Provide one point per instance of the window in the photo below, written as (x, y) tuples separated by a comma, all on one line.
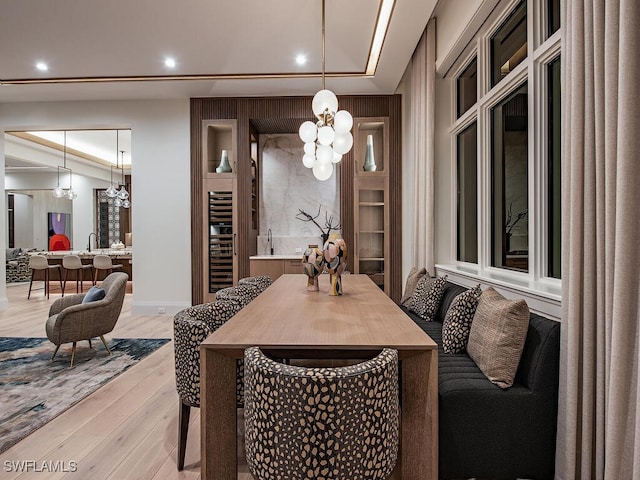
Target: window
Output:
[(467, 248), (509, 182), (467, 87), (509, 44), (554, 169), (553, 14)]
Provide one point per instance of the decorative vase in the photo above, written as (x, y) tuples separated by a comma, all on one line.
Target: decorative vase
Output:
[(369, 159), (335, 258), (224, 162), (313, 265)]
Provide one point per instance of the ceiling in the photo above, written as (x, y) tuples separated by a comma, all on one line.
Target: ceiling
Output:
[(116, 49)]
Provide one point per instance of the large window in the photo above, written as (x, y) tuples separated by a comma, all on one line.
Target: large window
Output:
[(467, 146), (507, 146)]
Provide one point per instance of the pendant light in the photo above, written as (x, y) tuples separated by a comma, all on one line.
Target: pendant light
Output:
[(112, 191), (59, 192), (123, 194), (330, 137)]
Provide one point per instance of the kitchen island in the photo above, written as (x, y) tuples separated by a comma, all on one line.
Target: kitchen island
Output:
[(118, 256)]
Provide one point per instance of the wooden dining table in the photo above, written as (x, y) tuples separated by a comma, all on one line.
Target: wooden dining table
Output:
[(287, 321)]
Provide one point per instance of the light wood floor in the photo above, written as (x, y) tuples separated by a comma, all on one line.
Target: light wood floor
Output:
[(125, 430)]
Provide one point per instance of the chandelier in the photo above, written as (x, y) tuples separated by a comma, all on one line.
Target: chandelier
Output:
[(112, 191), (59, 192), (330, 137), (122, 197)]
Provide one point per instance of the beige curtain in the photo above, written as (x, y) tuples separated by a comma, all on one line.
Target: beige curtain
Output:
[(599, 420), (422, 134)]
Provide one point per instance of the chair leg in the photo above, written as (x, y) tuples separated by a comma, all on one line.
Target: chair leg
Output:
[(59, 270), (54, 353), (46, 283), (33, 272), (90, 344), (95, 275), (73, 353), (183, 428), (64, 280), (105, 344)]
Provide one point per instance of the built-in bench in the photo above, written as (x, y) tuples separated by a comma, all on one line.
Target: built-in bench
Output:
[(489, 432)]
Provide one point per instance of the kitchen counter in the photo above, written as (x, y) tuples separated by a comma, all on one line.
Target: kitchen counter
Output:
[(293, 256), (112, 252), (275, 265)]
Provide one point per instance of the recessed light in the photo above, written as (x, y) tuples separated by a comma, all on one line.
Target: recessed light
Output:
[(301, 59), (43, 67), (170, 62)]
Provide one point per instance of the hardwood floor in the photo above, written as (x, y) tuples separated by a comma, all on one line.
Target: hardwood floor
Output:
[(125, 430)]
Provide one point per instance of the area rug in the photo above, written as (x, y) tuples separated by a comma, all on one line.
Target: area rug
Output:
[(35, 389)]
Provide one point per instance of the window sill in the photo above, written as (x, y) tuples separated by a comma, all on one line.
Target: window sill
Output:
[(544, 297)]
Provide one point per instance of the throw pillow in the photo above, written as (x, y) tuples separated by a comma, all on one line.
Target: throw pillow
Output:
[(457, 321), (412, 281), (497, 336), (427, 296), (94, 294)]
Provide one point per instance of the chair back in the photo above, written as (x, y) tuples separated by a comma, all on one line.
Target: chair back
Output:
[(321, 423), (38, 262), (102, 262), (243, 293), (260, 281), (115, 286), (71, 262)]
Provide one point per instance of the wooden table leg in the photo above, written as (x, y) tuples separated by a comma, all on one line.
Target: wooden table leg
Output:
[(419, 452), (219, 458)]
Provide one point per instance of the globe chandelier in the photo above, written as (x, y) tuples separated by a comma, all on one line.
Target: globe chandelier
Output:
[(122, 197), (330, 137), (112, 191), (59, 192)]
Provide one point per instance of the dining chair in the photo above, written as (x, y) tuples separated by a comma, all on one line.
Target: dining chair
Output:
[(40, 263), (190, 327), (321, 423), (260, 281), (103, 262), (73, 263), (243, 293)]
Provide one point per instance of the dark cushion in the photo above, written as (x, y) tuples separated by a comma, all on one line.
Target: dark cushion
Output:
[(94, 294), (457, 321), (427, 295)]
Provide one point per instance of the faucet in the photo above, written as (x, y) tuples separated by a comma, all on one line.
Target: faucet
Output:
[(270, 240), (89, 243)]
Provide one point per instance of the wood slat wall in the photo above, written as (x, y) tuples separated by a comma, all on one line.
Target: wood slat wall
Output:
[(244, 109)]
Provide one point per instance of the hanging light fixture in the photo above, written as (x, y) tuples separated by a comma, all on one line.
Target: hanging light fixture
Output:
[(330, 137), (123, 195), (59, 192), (112, 191)]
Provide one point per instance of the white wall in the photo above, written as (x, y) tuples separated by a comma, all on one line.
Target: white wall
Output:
[(161, 185), (23, 229)]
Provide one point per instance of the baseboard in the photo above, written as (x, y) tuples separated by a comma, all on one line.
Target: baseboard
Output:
[(157, 308)]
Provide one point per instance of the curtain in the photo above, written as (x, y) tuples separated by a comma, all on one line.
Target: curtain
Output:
[(599, 420), (422, 135)]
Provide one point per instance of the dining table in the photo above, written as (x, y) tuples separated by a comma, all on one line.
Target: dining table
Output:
[(287, 321)]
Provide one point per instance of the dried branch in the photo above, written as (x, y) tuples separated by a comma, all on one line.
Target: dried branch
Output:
[(329, 223), (511, 222)]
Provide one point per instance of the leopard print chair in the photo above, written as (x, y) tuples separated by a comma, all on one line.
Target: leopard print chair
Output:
[(242, 293), (191, 326), (321, 423), (260, 281)]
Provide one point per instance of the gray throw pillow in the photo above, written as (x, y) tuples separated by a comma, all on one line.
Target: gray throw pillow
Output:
[(457, 322), (94, 294), (426, 298), (412, 280), (497, 336)]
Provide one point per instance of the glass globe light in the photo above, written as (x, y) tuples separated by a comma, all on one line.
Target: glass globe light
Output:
[(336, 157), (324, 100), (59, 192), (123, 194), (126, 204), (117, 202), (343, 121), (308, 132), (309, 160), (111, 191), (324, 154), (310, 148), (71, 195), (343, 143), (326, 135), (322, 171)]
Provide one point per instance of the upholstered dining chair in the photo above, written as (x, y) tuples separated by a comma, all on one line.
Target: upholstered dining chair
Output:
[(243, 293), (71, 320), (260, 281), (103, 262), (321, 423), (73, 263), (191, 326), (40, 263)]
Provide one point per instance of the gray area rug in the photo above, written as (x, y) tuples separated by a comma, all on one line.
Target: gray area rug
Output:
[(34, 389)]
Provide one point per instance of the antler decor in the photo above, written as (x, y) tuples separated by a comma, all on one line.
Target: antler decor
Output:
[(328, 222)]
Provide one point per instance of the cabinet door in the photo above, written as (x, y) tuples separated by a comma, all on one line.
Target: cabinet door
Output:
[(221, 255), (293, 266), (272, 268)]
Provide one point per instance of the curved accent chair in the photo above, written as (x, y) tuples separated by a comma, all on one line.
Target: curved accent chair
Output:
[(190, 327), (70, 320), (103, 262), (321, 423), (39, 262), (73, 262), (242, 293), (260, 281)]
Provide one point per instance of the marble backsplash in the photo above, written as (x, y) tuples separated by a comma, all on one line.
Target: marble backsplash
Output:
[(286, 245)]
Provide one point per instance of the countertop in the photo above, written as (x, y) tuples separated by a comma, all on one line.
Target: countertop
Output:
[(293, 256), (113, 252)]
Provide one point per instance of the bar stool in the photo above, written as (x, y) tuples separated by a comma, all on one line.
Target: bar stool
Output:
[(73, 262), (39, 262), (103, 262)]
